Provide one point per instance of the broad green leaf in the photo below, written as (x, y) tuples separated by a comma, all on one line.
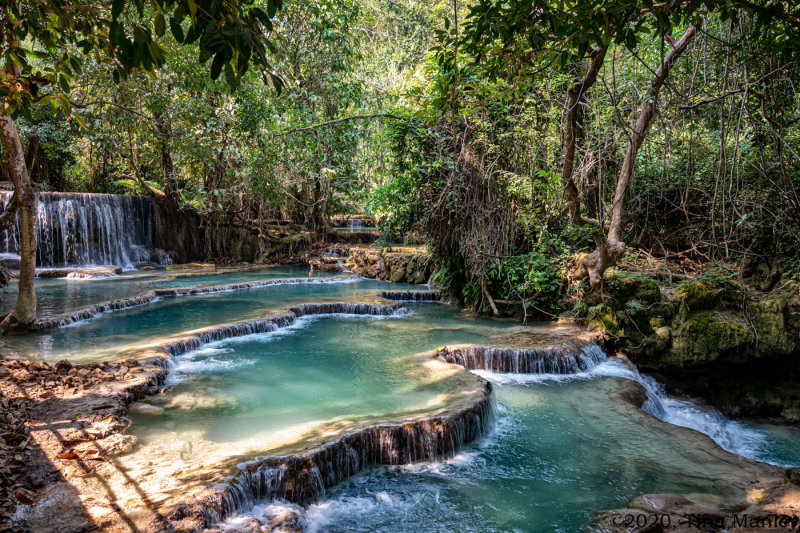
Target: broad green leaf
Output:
[(230, 76), (116, 34), (176, 29), (216, 65), (159, 25), (79, 119)]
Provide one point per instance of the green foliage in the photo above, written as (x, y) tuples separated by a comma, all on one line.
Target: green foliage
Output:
[(48, 42), (394, 200), (529, 278), (633, 306), (464, 145)]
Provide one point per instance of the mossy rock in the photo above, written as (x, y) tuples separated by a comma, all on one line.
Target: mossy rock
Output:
[(696, 296), (624, 287), (704, 295), (775, 336), (708, 336), (606, 321)]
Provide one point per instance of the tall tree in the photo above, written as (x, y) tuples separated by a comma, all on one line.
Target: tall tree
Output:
[(527, 37), (43, 42)]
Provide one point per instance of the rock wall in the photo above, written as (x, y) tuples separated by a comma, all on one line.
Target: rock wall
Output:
[(231, 241), (177, 229), (708, 339), (247, 244), (407, 266)]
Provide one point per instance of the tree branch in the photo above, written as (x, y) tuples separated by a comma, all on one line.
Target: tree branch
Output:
[(341, 120), (710, 100)]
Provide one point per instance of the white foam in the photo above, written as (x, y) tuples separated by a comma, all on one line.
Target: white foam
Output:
[(320, 516), (87, 276), (729, 434), (502, 378), (264, 514)]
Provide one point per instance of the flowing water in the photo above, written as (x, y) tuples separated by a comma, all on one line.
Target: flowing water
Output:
[(89, 229), (561, 451), (116, 335), (320, 376), (563, 447), (56, 296), (187, 280)]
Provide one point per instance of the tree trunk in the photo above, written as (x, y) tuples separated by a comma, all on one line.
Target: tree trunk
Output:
[(610, 248), (30, 156), (25, 309), (574, 95), (9, 216), (167, 166), (135, 166)]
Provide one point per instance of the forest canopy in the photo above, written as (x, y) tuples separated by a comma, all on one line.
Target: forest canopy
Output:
[(529, 143)]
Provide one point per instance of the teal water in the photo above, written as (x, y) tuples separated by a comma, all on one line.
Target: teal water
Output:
[(186, 280), (562, 450), (57, 296), (119, 333), (323, 374)]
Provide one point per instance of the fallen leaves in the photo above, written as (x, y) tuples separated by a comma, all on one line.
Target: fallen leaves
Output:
[(24, 496), (46, 400)]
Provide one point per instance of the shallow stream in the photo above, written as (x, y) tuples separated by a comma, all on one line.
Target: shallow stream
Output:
[(562, 447)]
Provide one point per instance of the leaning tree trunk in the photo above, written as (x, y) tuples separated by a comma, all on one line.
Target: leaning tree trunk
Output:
[(610, 248), (574, 96), (25, 309)]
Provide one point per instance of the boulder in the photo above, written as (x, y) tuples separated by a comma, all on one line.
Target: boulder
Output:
[(403, 266), (741, 355), (141, 408)]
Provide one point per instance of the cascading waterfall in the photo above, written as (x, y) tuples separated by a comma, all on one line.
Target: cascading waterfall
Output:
[(411, 296), (349, 309), (591, 360), (728, 434), (74, 229), (560, 360), (302, 478)]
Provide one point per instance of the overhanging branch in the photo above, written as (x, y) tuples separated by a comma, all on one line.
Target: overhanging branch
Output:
[(341, 120)]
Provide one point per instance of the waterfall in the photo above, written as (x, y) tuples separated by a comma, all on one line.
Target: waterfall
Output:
[(729, 434), (348, 309), (303, 478), (411, 296), (591, 360), (355, 223), (549, 360), (74, 229)]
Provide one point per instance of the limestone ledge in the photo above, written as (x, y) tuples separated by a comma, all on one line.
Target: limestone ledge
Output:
[(401, 265), (153, 295), (87, 487)]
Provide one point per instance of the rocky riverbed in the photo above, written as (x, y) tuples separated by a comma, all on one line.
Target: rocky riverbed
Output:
[(61, 424)]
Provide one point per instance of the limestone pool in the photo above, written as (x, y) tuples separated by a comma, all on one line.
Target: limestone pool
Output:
[(60, 295), (561, 448)]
